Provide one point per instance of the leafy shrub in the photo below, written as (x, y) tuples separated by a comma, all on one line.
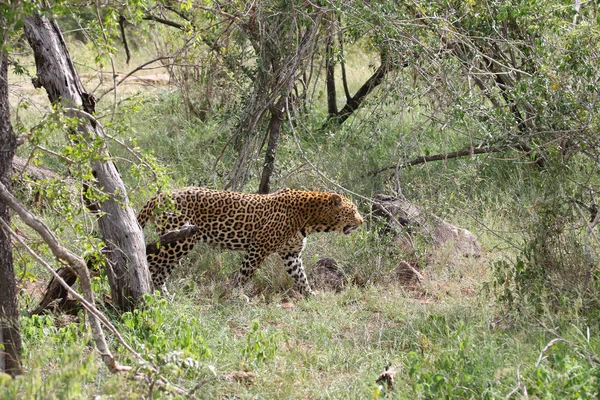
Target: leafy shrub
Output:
[(154, 328), (552, 271), (261, 345)]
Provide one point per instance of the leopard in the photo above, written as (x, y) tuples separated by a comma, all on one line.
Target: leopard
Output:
[(257, 224)]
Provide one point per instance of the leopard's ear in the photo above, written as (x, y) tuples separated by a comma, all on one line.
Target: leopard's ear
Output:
[(336, 199)]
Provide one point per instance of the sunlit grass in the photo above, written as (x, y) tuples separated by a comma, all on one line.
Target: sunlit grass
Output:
[(331, 346)]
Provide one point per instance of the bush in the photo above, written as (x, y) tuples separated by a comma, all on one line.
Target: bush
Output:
[(552, 272)]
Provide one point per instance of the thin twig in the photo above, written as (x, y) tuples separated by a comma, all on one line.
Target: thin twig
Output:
[(133, 71)]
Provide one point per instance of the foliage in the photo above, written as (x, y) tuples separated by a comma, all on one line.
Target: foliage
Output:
[(553, 272), (334, 346), (146, 328), (518, 76), (260, 345)]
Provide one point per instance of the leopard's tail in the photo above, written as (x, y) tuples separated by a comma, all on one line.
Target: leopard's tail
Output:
[(146, 212)]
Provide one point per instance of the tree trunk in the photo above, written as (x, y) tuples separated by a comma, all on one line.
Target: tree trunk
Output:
[(273, 83), (10, 333), (330, 77), (128, 273), (274, 136)]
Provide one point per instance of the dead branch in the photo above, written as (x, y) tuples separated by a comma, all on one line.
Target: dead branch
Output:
[(170, 237), (442, 156)]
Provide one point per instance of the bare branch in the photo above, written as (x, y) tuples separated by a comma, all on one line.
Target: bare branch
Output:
[(442, 156), (170, 237)]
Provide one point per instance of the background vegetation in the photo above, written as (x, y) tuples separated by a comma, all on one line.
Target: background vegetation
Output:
[(512, 84)]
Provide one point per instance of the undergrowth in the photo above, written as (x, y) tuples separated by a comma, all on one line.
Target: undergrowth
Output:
[(332, 346)]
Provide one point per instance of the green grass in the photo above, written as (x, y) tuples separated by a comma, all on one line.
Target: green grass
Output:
[(333, 346)]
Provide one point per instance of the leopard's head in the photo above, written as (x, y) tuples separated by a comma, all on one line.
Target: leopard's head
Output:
[(338, 214)]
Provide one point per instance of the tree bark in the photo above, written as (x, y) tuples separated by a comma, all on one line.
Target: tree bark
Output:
[(355, 101), (274, 137), (128, 273), (330, 76), (10, 333)]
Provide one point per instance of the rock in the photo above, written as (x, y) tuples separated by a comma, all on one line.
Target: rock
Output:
[(407, 274), (464, 242), (327, 275), (403, 216)]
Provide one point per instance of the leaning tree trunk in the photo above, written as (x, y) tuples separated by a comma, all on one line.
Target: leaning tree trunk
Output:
[(128, 273), (10, 334)]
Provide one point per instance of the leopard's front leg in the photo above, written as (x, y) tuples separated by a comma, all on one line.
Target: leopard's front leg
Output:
[(295, 268), (291, 254)]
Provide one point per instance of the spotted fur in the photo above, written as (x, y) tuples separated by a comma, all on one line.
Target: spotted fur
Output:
[(257, 224)]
